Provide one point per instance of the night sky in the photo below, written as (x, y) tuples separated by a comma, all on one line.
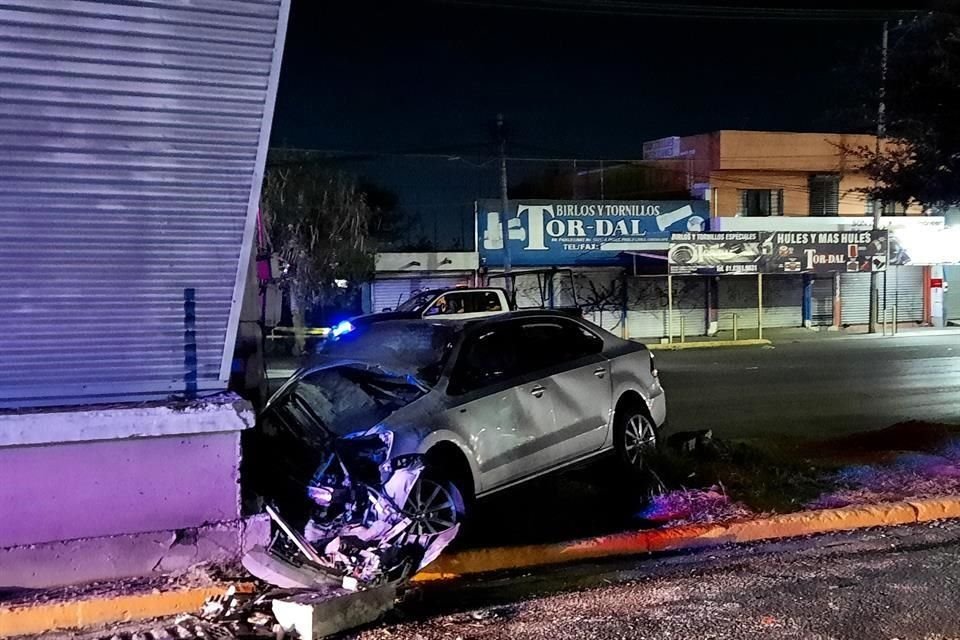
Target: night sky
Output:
[(420, 76)]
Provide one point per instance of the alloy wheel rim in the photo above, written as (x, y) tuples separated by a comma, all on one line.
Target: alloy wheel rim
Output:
[(431, 508), (639, 438)]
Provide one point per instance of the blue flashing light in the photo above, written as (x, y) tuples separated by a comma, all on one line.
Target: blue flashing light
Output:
[(344, 327)]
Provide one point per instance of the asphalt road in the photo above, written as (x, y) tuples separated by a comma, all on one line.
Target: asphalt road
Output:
[(895, 583), (813, 389)]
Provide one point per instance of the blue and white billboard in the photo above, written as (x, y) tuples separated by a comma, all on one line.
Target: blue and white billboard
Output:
[(587, 232)]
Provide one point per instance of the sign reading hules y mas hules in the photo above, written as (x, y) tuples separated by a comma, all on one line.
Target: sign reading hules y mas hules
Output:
[(744, 252)]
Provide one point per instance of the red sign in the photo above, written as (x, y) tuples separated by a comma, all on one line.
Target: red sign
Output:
[(936, 283)]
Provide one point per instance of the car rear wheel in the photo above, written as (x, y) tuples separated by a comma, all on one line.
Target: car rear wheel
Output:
[(636, 437)]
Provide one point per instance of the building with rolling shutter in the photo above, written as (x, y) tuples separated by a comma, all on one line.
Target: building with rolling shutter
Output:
[(772, 180), (134, 136), (400, 275), (746, 181)]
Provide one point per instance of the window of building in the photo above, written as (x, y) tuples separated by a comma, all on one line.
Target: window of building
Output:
[(825, 194), (761, 202), (886, 208)]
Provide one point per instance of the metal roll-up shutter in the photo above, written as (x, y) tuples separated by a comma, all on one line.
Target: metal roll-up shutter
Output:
[(737, 296), (646, 307), (855, 298), (903, 287), (599, 293), (133, 136), (782, 301), (610, 320), (951, 296), (390, 292), (822, 312)]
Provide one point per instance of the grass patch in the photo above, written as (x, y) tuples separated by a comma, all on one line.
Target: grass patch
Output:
[(762, 480)]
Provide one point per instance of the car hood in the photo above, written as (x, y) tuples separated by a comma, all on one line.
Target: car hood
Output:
[(389, 370)]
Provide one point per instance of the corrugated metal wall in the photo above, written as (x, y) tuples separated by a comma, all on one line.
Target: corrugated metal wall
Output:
[(822, 312), (951, 297), (782, 301), (904, 288), (600, 294), (133, 135), (647, 299), (901, 286), (854, 298)]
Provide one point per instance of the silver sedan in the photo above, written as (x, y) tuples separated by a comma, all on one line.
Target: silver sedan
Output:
[(484, 404)]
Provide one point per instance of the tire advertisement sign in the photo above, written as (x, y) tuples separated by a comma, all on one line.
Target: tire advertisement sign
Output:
[(751, 252), (583, 232)]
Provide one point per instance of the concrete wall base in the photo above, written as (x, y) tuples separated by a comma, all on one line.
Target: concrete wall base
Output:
[(85, 560)]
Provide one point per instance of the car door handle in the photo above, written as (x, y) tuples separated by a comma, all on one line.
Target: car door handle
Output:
[(537, 391), (600, 372)]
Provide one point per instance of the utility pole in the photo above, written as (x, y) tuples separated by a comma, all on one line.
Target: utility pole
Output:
[(878, 206), (504, 202)]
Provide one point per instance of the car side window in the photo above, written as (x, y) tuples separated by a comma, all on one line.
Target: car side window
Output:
[(551, 342), (485, 359), (488, 302), (450, 304)]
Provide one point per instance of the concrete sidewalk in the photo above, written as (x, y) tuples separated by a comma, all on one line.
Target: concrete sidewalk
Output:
[(798, 334)]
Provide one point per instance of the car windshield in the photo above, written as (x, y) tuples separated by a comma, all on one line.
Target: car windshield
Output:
[(418, 302), (400, 348)]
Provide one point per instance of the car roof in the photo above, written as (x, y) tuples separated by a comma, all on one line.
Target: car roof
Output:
[(492, 318), (457, 288)]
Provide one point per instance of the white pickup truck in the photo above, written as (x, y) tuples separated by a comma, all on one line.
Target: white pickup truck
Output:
[(459, 302)]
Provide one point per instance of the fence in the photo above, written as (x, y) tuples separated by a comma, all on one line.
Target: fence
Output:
[(640, 306)]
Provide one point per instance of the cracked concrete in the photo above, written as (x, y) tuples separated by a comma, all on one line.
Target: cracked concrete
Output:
[(125, 556)]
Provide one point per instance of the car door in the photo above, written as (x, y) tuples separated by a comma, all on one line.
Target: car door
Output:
[(500, 409), (576, 378)]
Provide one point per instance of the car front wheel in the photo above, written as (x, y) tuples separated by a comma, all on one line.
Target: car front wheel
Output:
[(433, 506)]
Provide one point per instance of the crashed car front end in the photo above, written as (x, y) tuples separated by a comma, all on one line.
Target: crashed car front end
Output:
[(365, 528), (351, 500)]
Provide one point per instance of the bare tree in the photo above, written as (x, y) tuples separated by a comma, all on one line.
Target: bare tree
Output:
[(598, 296), (318, 221)]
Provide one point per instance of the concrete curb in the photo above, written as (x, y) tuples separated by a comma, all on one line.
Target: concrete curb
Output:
[(36, 618), (694, 536), (708, 344), (31, 619)]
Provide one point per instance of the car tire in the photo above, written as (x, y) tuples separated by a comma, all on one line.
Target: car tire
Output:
[(635, 436), (435, 503)]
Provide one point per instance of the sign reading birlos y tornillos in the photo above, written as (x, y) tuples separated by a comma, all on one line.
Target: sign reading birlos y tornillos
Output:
[(571, 232), (745, 252)]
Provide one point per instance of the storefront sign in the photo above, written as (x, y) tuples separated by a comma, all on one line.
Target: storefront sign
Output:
[(925, 246), (574, 232), (777, 252)]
